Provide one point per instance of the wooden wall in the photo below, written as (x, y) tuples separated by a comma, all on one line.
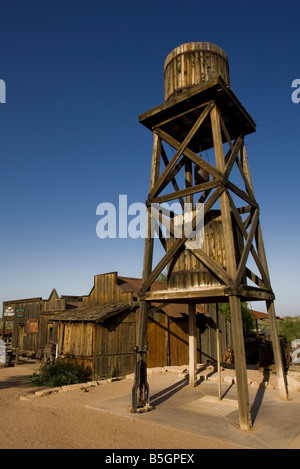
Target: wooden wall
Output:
[(26, 324), (108, 347), (106, 291), (168, 339), (32, 321), (103, 347), (54, 303)]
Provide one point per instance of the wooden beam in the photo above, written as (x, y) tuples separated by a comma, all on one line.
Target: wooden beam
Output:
[(247, 247), (265, 278), (218, 352), (248, 187), (167, 340), (211, 264), (281, 377), (173, 180), (176, 116), (245, 209), (225, 132), (148, 252), (254, 278), (242, 194), (189, 184), (182, 147), (157, 308), (206, 294), (259, 239), (233, 156), (240, 363), (189, 154), (192, 345), (155, 165), (234, 301), (202, 293), (177, 245), (186, 192), (250, 293), (224, 202)]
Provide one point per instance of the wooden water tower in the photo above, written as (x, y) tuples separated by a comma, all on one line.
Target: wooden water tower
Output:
[(200, 115)]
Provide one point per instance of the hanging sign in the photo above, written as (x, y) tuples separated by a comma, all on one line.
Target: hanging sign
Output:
[(9, 311), (20, 313)]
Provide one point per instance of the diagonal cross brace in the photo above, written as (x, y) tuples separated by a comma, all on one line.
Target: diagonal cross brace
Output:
[(182, 147), (177, 245)]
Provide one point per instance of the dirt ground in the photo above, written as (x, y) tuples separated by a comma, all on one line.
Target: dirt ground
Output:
[(63, 420)]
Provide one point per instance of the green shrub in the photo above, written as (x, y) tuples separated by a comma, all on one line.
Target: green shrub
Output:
[(247, 318), (59, 374), (290, 328), (112, 373)]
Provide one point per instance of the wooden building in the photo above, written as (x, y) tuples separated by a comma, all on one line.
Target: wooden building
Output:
[(31, 318), (98, 331), (101, 334)]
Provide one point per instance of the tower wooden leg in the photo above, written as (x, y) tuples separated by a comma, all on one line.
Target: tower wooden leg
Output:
[(140, 390), (240, 363), (218, 353), (192, 345), (281, 377), (142, 325)]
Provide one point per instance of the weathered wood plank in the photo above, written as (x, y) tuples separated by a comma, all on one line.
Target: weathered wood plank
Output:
[(192, 345), (173, 180), (189, 154), (225, 132), (211, 264), (265, 280), (235, 309), (282, 383), (254, 278), (242, 194), (233, 156), (247, 247), (168, 256), (240, 363), (179, 152), (186, 192), (196, 293)]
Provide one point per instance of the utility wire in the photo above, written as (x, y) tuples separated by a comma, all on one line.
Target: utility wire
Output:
[(273, 135)]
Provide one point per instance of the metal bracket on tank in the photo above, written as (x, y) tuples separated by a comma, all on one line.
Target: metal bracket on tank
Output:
[(140, 389)]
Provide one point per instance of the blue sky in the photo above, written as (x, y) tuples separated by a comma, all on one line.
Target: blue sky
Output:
[(78, 74)]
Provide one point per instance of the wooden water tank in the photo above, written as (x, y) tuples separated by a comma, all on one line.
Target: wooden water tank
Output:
[(186, 271), (192, 64)]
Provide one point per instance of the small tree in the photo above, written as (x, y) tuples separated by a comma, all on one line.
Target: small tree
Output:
[(290, 328), (247, 317)]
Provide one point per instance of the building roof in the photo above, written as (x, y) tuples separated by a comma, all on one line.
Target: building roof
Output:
[(128, 284), (261, 316), (99, 313), (92, 313), (75, 311)]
